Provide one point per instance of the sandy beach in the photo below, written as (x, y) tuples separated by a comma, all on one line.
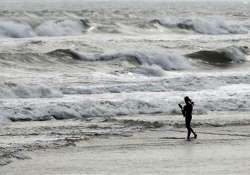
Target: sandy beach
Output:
[(135, 150)]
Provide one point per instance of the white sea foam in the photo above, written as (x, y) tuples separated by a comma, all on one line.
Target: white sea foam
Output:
[(106, 105), (15, 29), (235, 54), (12, 90), (213, 25), (184, 84), (68, 26), (158, 57), (60, 28), (153, 70)]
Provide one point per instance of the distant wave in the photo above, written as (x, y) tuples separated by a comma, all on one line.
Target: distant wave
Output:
[(163, 59), (152, 62), (220, 57), (53, 28), (62, 28), (156, 60), (16, 29), (211, 26), (67, 26), (13, 90), (170, 84)]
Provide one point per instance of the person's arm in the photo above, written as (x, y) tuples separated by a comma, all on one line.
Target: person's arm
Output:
[(182, 110), (180, 106)]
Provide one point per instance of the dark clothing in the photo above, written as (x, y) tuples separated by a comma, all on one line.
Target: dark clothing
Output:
[(187, 112), (188, 109), (188, 122)]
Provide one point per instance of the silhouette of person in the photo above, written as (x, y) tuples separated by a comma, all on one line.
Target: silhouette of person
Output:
[(187, 113)]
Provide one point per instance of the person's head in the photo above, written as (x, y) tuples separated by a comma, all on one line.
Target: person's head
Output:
[(187, 100)]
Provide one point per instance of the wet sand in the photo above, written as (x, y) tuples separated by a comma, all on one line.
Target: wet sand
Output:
[(218, 150)]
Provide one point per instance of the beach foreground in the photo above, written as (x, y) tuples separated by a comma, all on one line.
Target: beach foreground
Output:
[(135, 150)]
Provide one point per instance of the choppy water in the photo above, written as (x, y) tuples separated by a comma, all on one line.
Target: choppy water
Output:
[(82, 59)]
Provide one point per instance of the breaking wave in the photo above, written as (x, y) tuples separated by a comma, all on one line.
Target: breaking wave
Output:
[(79, 108), (13, 90), (224, 56), (192, 83), (212, 26), (152, 70), (66, 26), (156, 97), (154, 62), (62, 28), (150, 59), (15, 29)]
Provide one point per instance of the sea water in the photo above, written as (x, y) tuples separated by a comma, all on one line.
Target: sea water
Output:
[(81, 59)]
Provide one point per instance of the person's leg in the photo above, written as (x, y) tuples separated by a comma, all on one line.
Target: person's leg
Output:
[(195, 135), (192, 131), (188, 128), (188, 133)]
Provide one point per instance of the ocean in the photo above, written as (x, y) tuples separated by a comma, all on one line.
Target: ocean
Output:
[(83, 60)]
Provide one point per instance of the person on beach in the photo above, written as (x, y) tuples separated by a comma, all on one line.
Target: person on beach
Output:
[(187, 113)]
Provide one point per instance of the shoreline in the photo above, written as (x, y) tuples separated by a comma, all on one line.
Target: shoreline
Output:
[(122, 147), (147, 152)]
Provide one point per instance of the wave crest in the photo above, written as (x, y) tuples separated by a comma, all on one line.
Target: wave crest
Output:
[(14, 29), (163, 59), (62, 28), (224, 56), (210, 26), (13, 90)]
